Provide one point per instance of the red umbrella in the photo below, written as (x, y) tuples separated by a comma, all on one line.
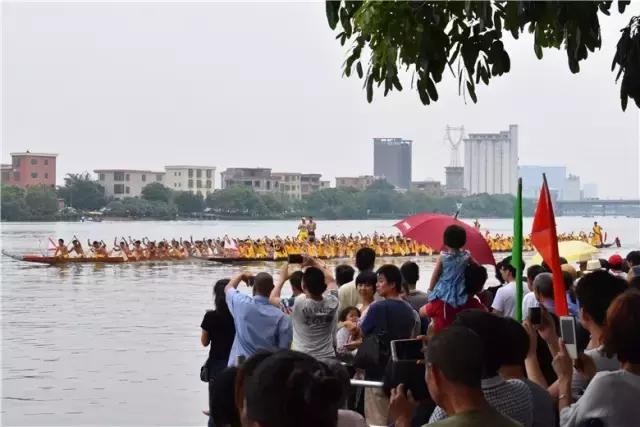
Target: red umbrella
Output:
[(429, 229)]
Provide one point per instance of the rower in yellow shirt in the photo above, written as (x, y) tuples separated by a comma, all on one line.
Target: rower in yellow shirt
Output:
[(597, 239)]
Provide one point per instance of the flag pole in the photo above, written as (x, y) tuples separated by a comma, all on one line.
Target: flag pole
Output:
[(516, 250)]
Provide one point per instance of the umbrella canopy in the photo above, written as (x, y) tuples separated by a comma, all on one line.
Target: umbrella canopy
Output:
[(429, 229), (572, 250)]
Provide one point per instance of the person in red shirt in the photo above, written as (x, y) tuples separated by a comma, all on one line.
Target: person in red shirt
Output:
[(442, 314)]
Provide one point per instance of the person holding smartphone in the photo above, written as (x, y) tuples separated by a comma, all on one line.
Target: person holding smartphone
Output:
[(315, 311), (611, 397), (595, 292), (455, 361)]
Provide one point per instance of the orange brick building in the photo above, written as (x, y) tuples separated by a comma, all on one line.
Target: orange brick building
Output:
[(27, 169)]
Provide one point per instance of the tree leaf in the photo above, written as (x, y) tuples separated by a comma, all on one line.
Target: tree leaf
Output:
[(332, 8), (431, 88), (538, 50), (622, 4), (424, 97), (345, 21), (472, 92), (359, 69), (396, 83), (369, 85)]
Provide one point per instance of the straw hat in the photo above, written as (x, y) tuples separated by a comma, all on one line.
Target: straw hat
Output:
[(593, 265)]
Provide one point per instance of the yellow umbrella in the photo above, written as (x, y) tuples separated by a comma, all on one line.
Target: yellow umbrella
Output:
[(572, 250)]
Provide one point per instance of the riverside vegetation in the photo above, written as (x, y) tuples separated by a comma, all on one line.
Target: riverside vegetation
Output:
[(81, 195)]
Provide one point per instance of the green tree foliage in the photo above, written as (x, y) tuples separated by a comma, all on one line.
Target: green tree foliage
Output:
[(628, 59), (426, 38), (133, 207), (42, 201), (156, 192), (334, 203), (13, 207), (237, 200), (380, 184), (378, 201), (81, 192), (278, 203), (186, 202)]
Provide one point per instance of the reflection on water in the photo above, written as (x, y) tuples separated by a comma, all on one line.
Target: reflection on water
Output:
[(119, 344)]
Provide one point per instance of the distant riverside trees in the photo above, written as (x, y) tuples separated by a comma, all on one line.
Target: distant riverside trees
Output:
[(35, 203), (156, 192), (380, 200), (82, 193)]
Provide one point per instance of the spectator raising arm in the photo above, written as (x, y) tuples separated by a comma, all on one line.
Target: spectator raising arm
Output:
[(531, 362), (328, 275), (236, 279), (274, 298)]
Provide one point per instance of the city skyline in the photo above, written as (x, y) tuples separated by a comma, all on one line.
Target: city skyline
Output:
[(163, 88)]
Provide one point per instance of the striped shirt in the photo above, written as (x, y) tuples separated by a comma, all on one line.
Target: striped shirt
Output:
[(509, 397)]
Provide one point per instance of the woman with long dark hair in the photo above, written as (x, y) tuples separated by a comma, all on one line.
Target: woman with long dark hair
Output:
[(219, 331)]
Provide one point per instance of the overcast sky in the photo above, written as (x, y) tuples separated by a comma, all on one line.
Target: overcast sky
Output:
[(260, 84)]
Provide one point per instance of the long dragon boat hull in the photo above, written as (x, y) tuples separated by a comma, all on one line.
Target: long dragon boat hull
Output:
[(50, 260), (240, 260)]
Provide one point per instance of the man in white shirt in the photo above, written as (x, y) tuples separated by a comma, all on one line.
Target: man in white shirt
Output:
[(348, 293), (504, 303)]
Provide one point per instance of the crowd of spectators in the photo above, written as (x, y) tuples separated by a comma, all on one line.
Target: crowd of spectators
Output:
[(288, 361)]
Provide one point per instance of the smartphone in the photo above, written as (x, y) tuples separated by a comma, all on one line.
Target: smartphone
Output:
[(250, 280), (568, 333), (406, 350), (295, 259), (535, 315)]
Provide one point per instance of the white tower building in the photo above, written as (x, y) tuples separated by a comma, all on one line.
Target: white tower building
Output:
[(491, 162)]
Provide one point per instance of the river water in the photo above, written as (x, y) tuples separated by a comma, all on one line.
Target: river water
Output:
[(119, 344)]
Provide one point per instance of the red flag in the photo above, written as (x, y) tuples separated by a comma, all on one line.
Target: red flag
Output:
[(545, 240)]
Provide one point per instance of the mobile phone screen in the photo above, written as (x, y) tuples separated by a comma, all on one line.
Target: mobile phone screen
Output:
[(407, 350), (568, 330), (295, 259)]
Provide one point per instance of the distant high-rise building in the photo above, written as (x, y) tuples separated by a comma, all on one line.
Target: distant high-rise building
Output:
[(392, 160), (571, 190), (590, 190), (532, 179), (491, 162)]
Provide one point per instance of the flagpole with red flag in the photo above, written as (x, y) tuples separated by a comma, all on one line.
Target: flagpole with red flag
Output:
[(545, 239)]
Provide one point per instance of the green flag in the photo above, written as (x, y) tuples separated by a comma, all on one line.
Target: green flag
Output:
[(516, 250)]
